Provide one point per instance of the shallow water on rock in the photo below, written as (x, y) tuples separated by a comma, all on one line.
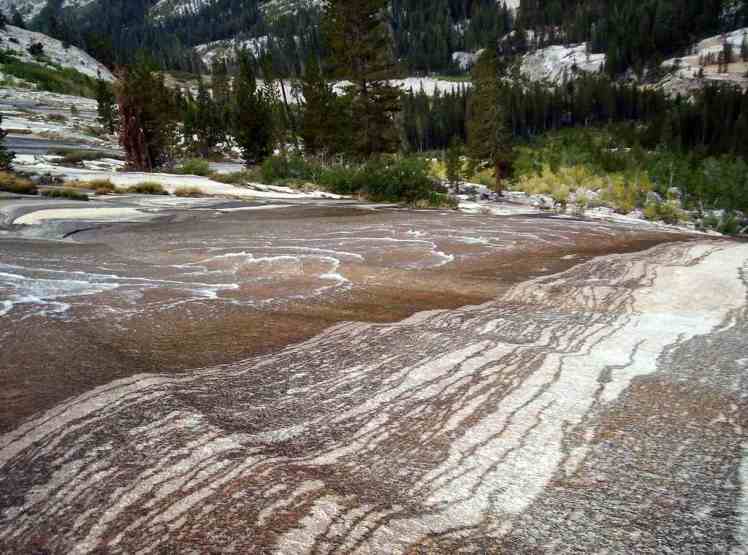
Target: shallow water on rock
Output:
[(211, 287)]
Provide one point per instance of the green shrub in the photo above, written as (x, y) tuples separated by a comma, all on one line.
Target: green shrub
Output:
[(147, 188), (437, 200), (11, 183), (727, 224), (54, 79), (194, 166), (388, 180), (338, 180), (278, 168), (404, 180), (665, 212), (244, 177), (69, 194)]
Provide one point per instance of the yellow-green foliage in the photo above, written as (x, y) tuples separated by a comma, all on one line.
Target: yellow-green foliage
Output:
[(485, 177), (14, 184), (559, 184), (668, 212), (617, 190), (438, 169), (624, 193)]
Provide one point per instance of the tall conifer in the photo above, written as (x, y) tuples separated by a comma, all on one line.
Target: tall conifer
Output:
[(361, 45)]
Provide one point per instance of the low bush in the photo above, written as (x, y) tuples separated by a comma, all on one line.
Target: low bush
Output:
[(278, 168), (103, 187), (54, 79), (68, 194), (665, 212), (194, 166), (338, 179), (624, 193), (98, 186), (438, 200), (726, 223), (386, 180), (189, 192), (620, 191), (252, 175), (76, 156), (11, 183), (147, 188)]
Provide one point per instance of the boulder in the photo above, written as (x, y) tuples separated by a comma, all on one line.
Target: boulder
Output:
[(654, 198)]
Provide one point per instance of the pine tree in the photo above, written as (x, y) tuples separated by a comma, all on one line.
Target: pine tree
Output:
[(488, 137), (253, 120), (221, 89), (361, 49), (6, 156), (454, 163), (106, 106), (280, 115), (324, 119), (148, 117), (207, 128)]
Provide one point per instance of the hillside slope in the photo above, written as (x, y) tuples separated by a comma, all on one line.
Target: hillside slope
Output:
[(55, 54)]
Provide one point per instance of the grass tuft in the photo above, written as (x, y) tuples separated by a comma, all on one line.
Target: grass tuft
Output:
[(76, 156), (253, 175), (189, 192), (98, 186), (68, 194), (147, 188), (11, 183)]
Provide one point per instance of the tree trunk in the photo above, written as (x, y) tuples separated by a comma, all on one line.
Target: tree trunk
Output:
[(499, 177)]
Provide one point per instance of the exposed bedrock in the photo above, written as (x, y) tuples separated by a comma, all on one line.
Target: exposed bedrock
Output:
[(601, 408)]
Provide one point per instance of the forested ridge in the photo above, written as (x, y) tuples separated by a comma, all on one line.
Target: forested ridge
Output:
[(426, 33)]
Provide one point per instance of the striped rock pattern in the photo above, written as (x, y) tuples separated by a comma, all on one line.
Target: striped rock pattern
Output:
[(603, 408)]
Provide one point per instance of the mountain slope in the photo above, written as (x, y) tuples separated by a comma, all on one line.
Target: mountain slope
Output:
[(16, 42)]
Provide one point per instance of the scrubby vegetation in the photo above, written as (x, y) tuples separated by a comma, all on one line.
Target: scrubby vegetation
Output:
[(189, 192), (67, 194), (194, 166), (147, 188), (250, 175), (76, 156), (48, 77), (11, 183), (611, 164), (98, 186), (393, 179)]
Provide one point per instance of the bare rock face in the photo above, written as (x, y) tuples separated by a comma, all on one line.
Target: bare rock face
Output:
[(601, 409), (559, 63), (17, 42), (700, 66)]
